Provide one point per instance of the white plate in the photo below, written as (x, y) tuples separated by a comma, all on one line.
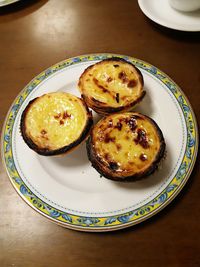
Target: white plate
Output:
[(67, 189), (162, 13), (7, 2)]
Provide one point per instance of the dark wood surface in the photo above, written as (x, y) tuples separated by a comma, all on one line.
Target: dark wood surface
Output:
[(33, 36)]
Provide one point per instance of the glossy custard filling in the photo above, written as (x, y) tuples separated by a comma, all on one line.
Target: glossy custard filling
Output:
[(55, 120), (114, 83), (126, 142)]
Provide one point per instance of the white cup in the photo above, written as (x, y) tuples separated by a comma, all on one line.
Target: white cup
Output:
[(185, 5)]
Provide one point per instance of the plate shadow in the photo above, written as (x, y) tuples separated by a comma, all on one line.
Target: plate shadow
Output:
[(77, 157)]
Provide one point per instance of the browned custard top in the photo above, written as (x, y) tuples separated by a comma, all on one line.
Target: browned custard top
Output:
[(113, 83), (127, 142), (55, 120)]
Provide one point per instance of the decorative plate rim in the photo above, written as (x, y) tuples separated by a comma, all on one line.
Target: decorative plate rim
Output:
[(104, 223)]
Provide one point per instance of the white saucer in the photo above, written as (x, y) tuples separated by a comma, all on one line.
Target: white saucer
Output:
[(162, 13)]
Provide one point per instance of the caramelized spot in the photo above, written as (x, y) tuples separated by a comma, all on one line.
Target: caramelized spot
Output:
[(142, 138), (118, 147), (87, 80), (122, 76), (118, 126), (96, 81), (132, 83), (117, 97), (104, 89), (57, 116), (113, 165), (61, 122), (109, 79), (108, 139), (90, 74), (127, 137), (132, 123), (131, 162), (116, 65), (110, 123), (100, 86), (143, 157), (107, 156), (66, 115), (43, 132)]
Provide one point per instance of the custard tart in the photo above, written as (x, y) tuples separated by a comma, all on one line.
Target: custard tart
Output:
[(125, 146), (111, 85), (55, 123)]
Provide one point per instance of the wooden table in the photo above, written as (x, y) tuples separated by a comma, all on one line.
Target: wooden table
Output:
[(35, 35)]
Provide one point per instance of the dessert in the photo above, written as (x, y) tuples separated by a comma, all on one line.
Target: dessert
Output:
[(55, 123), (111, 85), (125, 146)]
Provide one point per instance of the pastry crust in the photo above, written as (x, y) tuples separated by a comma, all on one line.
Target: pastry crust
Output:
[(55, 123), (126, 146), (111, 85)]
